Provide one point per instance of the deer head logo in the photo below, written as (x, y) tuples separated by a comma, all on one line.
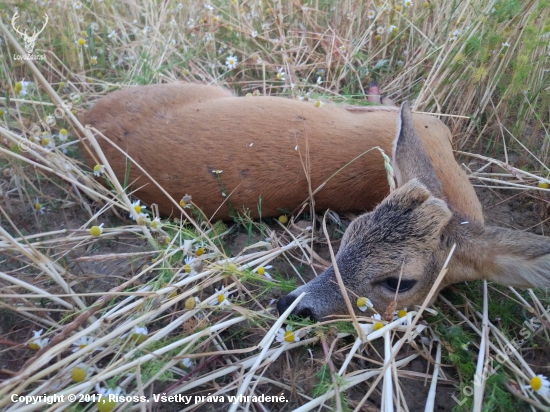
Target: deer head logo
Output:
[(29, 40)]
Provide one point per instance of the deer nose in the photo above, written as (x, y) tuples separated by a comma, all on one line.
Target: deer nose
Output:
[(303, 312)]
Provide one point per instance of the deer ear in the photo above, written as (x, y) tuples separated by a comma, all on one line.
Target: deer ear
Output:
[(409, 157), (509, 257)]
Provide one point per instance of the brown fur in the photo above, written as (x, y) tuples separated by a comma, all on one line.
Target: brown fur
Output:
[(180, 132), (412, 232)]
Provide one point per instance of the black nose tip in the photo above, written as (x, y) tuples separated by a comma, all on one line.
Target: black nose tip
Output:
[(285, 302)]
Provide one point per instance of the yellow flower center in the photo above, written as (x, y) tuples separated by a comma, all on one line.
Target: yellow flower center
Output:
[(361, 302), (283, 219), (182, 203), (200, 251), (33, 346), (187, 268), (261, 271), (95, 231), (221, 298), (398, 8), (82, 345), (377, 37), (317, 103), (543, 185), (402, 313), (37, 206), (190, 303), (378, 325), (45, 141), (289, 336), (81, 41), (536, 383), (17, 88), (426, 4), (279, 76), (1, 112), (78, 374), (137, 208), (104, 405), (97, 168), (63, 132)]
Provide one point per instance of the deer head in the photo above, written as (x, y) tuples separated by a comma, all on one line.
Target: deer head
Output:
[(29, 40), (396, 251)]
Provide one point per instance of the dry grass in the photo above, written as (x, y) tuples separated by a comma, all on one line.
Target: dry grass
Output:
[(484, 63)]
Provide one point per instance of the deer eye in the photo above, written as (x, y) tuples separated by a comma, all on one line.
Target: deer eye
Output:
[(391, 284)]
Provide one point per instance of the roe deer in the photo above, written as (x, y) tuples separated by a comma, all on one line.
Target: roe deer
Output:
[(181, 132), (412, 231)]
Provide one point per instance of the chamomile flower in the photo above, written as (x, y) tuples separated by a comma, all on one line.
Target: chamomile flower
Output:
[(281, 75), (400, 314), (319, 80), (199, 248), (36, 342), (371, 14), (231, 62), (186, 364), (82, 343), (105, 404), (112, 35), (217, 171), (93, 60), (186, 200), (21, 88), (82, 42), (287, 335), (139, 333), (319, 103), (454, 35), (254, 34), (541, 385), (189, 260), (221, 297), (138, 208), (263, 272), (155, 223), (39, 207), (77, 5), (96, 230), (63, 135), (392, 29), (266, 26), (378, 324), (191, 302), (380, 30), (98, 169), (464, 346), (81, 372), (364, 303), (408, 3)]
